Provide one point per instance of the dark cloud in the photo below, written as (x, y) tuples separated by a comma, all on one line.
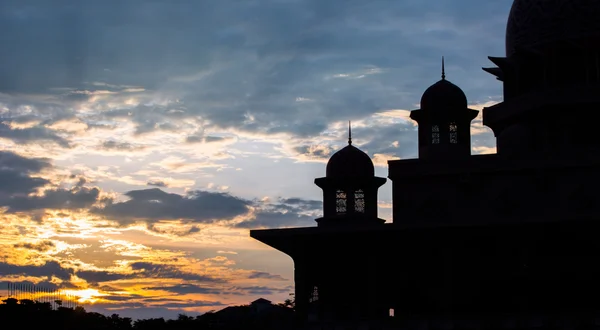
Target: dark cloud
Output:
[(205, 139), (265, 275), (47, 270), (41, 246), (262, 66), (290, 212), (119, 146), (17, 183), (264, 290), (276, 219), (146, 269), (238, 290), (15, 174), (181, 232), (121, 298), (75, 198), (301, 204), (315, 153), (14, 182), (94, 276), (35, 134), (12, 161), (186, 289), (154, 204), (157, 183)]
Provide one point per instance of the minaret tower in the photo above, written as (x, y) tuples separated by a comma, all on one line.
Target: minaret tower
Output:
[(444, 121), (350, 188)]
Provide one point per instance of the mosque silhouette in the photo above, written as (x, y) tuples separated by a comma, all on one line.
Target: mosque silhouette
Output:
[(506, 240)]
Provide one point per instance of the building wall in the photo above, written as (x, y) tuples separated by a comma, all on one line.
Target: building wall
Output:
[(489, 192)]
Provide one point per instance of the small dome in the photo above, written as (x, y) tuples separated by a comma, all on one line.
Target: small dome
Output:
[(537, 22), (350, 162), (443, 95)]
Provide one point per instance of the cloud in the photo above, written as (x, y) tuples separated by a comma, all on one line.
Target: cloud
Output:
[(226, 252), (286, 212), (120, 146), (15, 175), (12, 161), (95, 276), (153, 205), (231, 86), (293, 67), (206, 139), (152, 270), (14, 182), (146, 270), (42, 246), (46, 270), (264, 290), (157, 183), (74, 198), (265, 275), (186, 289), (36, 134)]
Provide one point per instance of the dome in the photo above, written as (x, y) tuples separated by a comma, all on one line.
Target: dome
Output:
[(537, 22), (443, 95), (350, 162)]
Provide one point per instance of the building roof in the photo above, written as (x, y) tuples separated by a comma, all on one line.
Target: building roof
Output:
[(443, 96), (350, 162), (261, 301), (536, 22)]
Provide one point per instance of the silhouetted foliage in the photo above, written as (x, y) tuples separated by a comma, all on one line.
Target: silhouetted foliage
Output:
[(32, 314)]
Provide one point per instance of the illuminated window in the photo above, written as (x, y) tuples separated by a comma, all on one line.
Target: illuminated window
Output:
[(435, 134), (359, 201), (453, 133), (391, 312), (315, 295), (340, 202)]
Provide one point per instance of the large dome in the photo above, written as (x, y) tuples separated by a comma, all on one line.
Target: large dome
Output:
[(537, 22), (443, 96), (350, 162)]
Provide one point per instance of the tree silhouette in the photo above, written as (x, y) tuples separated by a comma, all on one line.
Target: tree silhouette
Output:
[(31, 314)]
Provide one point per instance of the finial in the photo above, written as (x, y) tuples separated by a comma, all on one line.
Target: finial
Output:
[(349, 133), (443, 69)]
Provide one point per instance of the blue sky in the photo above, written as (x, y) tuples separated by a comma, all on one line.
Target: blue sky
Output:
[(141, 140)]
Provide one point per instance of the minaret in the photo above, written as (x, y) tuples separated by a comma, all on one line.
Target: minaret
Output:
[(349, 132), (444, 121), (350, 188)]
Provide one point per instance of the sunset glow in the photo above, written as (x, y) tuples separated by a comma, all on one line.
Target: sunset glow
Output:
[(140, 142), (86, 295)]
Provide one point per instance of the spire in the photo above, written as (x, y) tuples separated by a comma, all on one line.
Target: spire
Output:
[(349, 133), (443, 69)]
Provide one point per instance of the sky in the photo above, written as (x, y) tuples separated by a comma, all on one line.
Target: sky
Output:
[(140, 141)]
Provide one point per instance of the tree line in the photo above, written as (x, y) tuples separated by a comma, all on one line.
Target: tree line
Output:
[(34, 314)]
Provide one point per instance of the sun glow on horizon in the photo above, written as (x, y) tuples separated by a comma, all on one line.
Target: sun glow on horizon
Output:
[(86, 295)]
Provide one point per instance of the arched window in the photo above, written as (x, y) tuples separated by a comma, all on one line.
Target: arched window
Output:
[(453, 129), (359, 201), (314, 296), (340, 202), (435, 134)]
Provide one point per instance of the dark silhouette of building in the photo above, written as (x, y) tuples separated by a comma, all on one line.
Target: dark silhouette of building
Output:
[(507, 240)]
